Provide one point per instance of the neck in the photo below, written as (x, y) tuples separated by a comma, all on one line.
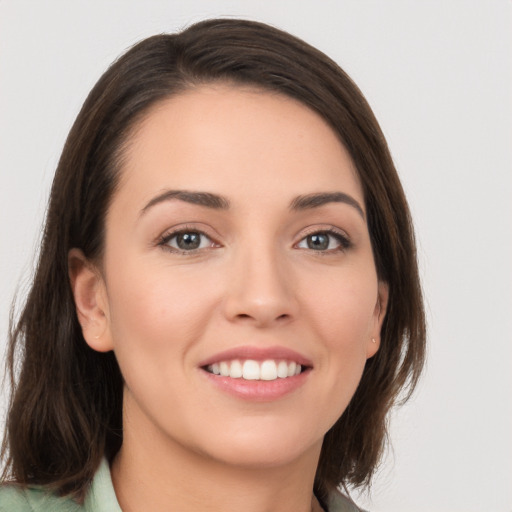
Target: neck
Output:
[(159, 474)]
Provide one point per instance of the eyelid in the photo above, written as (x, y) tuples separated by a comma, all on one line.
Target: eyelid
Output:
[(163, 239), (339, 234)]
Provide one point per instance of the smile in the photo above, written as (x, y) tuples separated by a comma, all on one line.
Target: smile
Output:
[(257, 373), (251, 369)]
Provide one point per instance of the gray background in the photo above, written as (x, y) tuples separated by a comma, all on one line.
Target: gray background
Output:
[(438, 75)]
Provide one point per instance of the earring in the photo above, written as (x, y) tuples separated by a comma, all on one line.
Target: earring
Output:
[(373, 340)]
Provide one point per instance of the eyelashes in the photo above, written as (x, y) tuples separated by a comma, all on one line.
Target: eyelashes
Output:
[(190, 240), (187, 240), (325, 241)]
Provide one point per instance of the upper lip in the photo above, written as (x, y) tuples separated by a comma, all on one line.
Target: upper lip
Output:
[(257, 354)]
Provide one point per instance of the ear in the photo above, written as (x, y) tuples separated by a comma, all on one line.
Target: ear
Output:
[(91, 302), (379, 313)]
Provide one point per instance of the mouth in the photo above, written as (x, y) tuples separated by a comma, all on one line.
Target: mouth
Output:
[(251, 369), (260, 374)]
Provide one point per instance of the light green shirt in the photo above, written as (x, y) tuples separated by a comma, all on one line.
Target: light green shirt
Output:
[(101, 497)]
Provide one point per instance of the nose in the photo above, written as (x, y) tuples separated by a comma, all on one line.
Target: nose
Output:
[(260, 288)]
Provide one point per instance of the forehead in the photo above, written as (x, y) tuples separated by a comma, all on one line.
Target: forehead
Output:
[(222, 137)]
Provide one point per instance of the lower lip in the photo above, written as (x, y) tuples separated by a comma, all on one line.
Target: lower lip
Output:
[(258, 390)]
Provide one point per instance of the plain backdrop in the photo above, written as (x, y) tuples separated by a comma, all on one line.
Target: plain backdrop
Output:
[(438, 75)]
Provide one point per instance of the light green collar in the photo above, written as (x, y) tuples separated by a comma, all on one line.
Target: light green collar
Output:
[(101, 496)]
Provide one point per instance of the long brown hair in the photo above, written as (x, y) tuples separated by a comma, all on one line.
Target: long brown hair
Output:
[(65, 411)]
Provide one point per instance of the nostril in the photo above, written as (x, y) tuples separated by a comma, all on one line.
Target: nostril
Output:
[(284, 316)]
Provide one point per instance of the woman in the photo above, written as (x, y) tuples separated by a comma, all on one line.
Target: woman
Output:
[(227, 301)]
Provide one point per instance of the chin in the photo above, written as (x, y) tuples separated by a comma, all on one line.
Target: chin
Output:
[(263, 446)]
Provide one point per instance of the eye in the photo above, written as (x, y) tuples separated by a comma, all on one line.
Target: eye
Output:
[(324, 241), (187, 241)]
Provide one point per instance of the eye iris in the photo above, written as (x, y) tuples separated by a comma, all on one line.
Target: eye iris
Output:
[(188, 241), (318, 242)]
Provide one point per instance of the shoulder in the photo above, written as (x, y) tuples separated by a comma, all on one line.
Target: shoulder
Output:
[(100, 497), (14, 498), (339, 503)]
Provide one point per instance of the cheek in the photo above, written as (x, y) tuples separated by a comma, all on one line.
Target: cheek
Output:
[(156, 311), (342, 318), (343, 311)]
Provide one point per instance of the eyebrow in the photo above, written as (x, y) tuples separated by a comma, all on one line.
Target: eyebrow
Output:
[(201, 198), (218, 202), (319, 199)]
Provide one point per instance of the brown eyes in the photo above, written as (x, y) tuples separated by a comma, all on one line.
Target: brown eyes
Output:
[(191, 240)]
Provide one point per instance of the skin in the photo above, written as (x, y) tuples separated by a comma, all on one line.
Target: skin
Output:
[(254, 282)]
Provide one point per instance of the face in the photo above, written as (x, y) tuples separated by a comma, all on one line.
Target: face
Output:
[(238, 289)]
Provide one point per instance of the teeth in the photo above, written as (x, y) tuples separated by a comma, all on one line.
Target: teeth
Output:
[(268, 370), (282, 369), (224, 369), (236, 371), (255, 370), (251, 370)]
